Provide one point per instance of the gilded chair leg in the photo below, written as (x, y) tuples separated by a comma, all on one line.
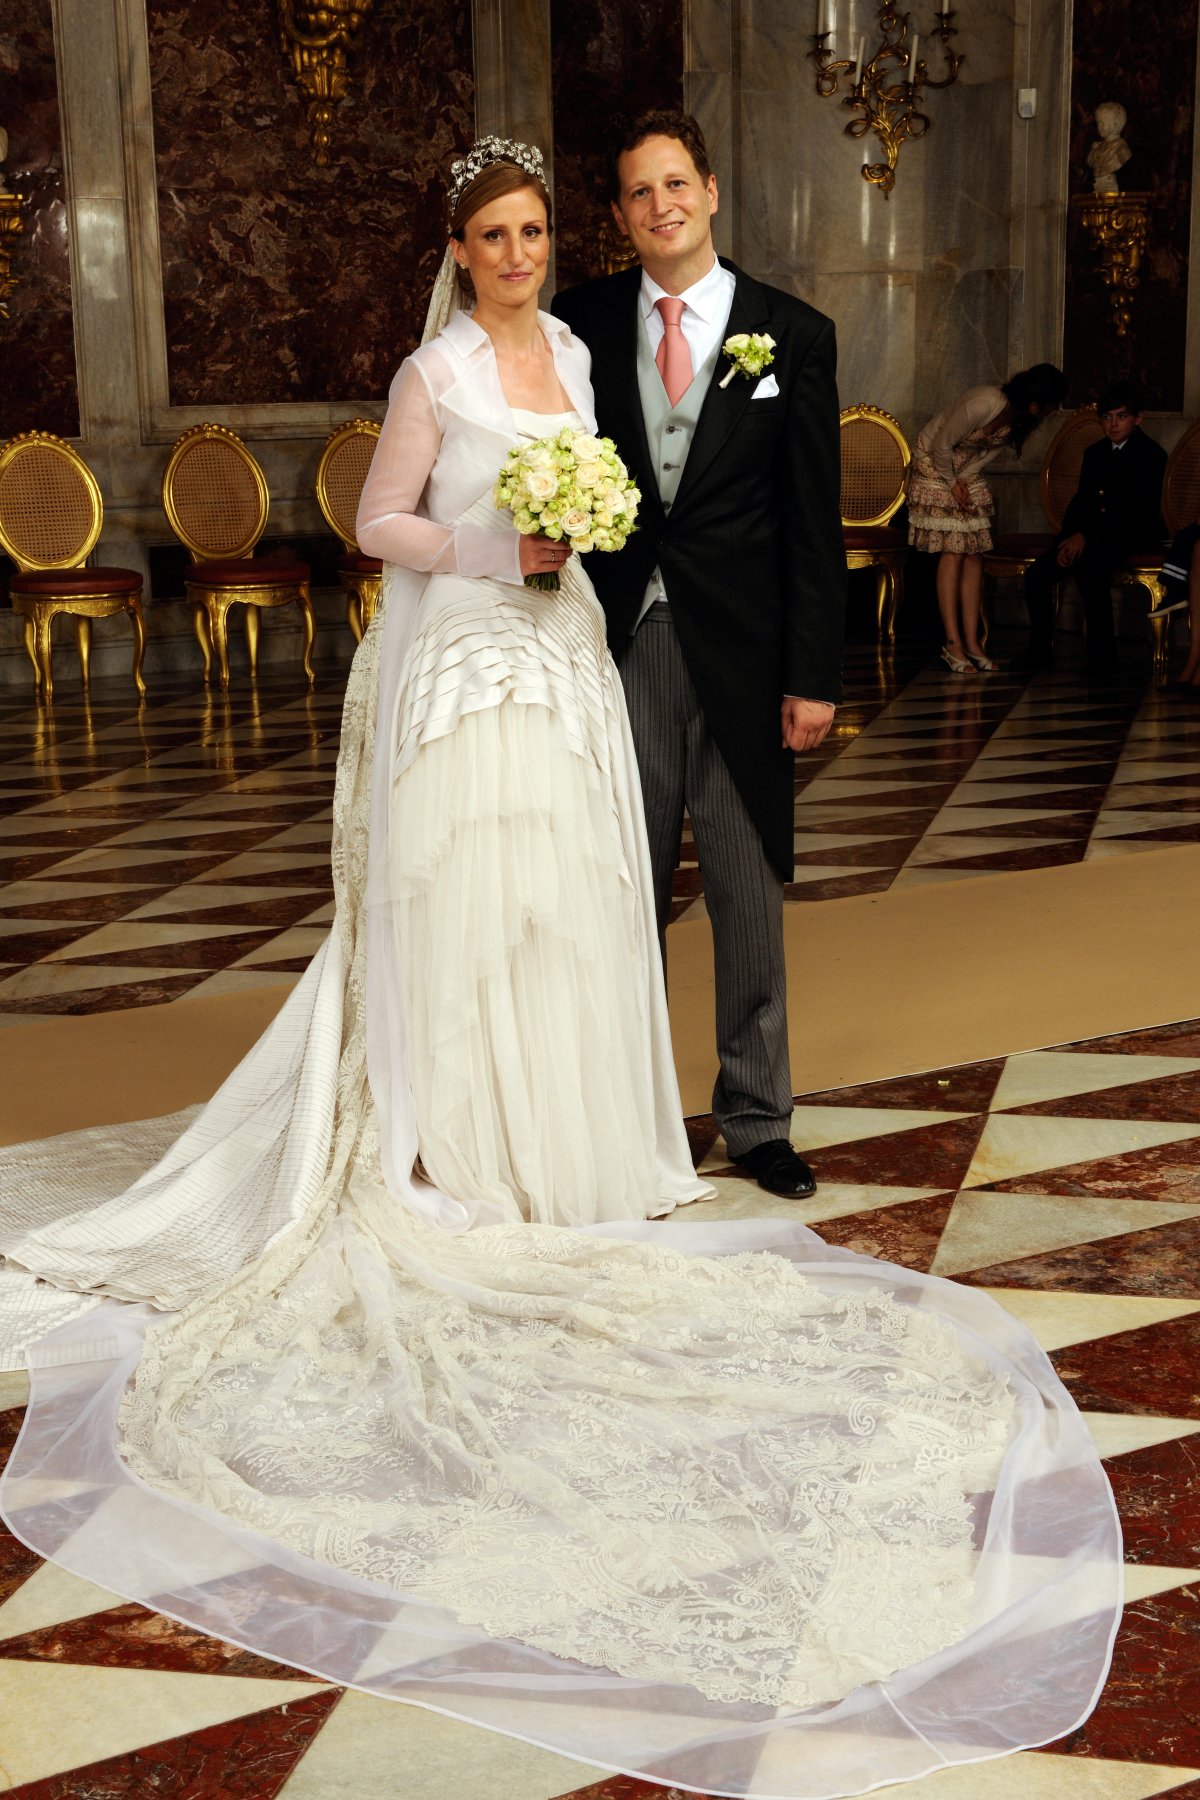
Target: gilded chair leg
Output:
[(354, 615), (31, 651), (217, 631), (251, 624), (1160, 633), (139, 646), (83, 643), (895, 597), (200, 627), (881, 593), (310, 632), (44, 654)]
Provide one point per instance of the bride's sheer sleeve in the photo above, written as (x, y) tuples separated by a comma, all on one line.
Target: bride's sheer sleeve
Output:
[(389, 525)]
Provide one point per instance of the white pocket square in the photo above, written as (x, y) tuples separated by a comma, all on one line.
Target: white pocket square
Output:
[(766, 387)]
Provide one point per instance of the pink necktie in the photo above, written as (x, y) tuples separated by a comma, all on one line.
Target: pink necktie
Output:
[(673, 358)]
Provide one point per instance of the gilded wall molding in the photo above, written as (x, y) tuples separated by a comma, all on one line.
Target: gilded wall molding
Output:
[(316, 40)]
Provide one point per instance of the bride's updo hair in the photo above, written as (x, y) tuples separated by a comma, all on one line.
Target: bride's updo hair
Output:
[(499, 178)]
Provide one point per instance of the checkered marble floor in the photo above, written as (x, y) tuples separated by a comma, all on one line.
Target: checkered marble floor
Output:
[(184, 847), (1066, 1182)]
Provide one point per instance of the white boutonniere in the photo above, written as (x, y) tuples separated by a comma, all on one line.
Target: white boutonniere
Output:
[(749, 353)]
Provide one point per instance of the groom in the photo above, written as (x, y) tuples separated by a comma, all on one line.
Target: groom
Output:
[(725, 608)]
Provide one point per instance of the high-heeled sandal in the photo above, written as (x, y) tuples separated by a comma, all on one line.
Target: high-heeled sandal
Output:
[(956, 663), (984, 664)]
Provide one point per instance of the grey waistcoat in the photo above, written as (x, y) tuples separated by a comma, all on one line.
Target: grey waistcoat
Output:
[(669, 431)]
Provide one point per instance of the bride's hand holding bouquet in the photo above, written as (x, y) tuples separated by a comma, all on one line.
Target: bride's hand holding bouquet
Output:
[(570, 490)]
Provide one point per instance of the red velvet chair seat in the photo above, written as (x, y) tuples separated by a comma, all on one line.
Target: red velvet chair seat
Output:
[(248, 571), (355, 563), (1022, 543), (78, 583), (873, 537)]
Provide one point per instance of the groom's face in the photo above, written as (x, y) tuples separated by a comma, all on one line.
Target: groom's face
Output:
[(666, 208)]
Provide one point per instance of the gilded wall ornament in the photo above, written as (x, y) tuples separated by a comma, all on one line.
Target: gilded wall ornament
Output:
[(883, 89), (1119, 227), (316, 36)]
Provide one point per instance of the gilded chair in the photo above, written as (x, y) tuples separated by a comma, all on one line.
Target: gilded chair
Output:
[(341, 473), (1180, 507), (216, 501), (51, 512), (875, 460)]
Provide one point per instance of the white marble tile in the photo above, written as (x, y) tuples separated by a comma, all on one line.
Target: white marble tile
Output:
[(127, 934), (1143, 1580), (1117, 1434), (240, 981), (59, 1716), (1039, 1075), (816, 1127), (1059, 1319), (50, 1596), (367, 1741), (1000, 1228), (42, 980), (299, 940), (1040, 1775), (1013, 1144), (196, 896), (14, 1388)]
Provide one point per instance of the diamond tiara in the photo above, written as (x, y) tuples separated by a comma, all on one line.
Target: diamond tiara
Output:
[(489, 150)]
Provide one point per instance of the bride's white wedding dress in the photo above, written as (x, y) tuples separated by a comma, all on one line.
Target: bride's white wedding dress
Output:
[(394, 1380)]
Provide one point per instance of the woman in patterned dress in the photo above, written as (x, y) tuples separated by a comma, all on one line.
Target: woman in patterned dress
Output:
[(950, 506)]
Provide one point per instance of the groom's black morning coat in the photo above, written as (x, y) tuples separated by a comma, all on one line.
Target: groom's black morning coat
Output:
[(751, 551)]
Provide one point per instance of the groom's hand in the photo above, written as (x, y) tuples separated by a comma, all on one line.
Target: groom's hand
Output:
[(805, 723)]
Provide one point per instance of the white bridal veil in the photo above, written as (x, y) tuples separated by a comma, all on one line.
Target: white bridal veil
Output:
[(837, 1523)]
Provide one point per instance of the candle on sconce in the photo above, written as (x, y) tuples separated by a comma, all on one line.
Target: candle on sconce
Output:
[(912, 57), (862, 51)]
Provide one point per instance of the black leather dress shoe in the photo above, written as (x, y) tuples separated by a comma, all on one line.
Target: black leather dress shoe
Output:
[(776, 1167)]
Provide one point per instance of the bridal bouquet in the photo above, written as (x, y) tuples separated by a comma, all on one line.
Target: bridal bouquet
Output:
[(571, 486)]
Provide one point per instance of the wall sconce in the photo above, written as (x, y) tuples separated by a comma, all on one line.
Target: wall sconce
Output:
[(881, 103), (315, 36), (11, 226)]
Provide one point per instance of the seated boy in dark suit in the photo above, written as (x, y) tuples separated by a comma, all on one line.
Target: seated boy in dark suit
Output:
[(1115, 511)]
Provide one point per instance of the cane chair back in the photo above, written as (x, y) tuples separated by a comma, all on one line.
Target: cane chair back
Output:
[(341, 472), (50, 506), (1181, 484), (215, 494), (875, 459), (1063, 459)]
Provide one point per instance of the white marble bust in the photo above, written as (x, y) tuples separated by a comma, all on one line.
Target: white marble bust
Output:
[(1110, 152)]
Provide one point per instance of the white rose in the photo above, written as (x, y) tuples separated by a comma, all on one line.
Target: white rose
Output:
[(540, 484), (612, 499), (591, 474), (576, 520), (583, 544), (587, 448)]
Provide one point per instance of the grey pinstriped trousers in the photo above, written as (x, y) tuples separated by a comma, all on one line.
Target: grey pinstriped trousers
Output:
[(681, 767)]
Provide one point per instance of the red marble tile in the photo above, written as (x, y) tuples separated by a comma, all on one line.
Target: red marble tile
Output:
[(288, 965), (278, 913), (1153, 1370), (32, 946), (1038, 856), (966, 1088), (906, 821), (908, 1234), (931, 1156), (17, 1563), (891, 851), (96, 909), (1164, 834), (1163, 1172), (1045, 825), (165, 874), (193, 953), (245, 1759), (1162, 1261), (131, 1637), (116, 998), (1170, 1098), (1081, 775), (835, 887), (1182, 1039), (1149, 1711), (702, 1134), (1064, 799), (1156, 1491)]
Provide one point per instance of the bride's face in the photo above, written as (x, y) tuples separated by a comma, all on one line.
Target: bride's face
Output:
[(505, 249)]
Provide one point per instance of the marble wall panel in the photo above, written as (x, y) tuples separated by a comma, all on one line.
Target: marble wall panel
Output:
[(40, 387), (283, 281), (1146, 61), (608, 59)]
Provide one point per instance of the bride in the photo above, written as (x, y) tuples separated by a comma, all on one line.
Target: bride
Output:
[(376, 1365)]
